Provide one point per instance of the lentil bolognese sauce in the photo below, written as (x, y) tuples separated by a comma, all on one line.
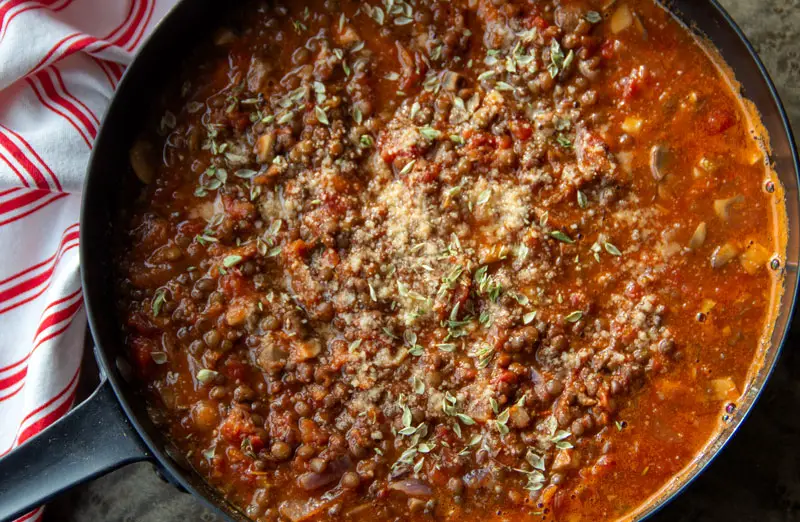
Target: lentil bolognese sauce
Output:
[(449, 260)]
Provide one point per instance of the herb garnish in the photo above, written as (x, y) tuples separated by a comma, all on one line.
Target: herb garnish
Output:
[(159, 298), (559, 235)]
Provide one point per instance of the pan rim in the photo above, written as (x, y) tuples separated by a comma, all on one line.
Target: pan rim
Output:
[(219, 504)]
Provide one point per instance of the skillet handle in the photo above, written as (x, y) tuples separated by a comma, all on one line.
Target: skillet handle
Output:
[(94, 439)]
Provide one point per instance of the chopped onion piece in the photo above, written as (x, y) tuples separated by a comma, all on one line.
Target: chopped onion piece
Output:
[(722, 389), (755, 258), (265, 147), (621, 19), (632, 125), (706, 305), (412, 487)]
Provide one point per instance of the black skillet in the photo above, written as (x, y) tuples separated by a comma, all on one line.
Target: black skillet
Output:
[(112, 429)]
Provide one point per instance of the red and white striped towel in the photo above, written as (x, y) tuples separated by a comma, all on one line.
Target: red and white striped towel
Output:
[(60, 61)]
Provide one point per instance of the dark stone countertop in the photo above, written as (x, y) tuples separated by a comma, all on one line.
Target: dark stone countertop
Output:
[(756, 478)]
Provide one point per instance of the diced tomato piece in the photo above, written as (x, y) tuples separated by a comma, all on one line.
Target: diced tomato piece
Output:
[(464, 373), (427, 174), (387, 155), (256, 443), (237, 209), (719, 120), (631, 89), (445, 434), (296, 249), (334, 203), (505, 376), (540, 22), (141, 323), (235, 369), (192, 227), (242, 122), (608, 48), (631, 85), (237, 426), (141, 350), (330, 258), (231, 283), (153, 233), (634, 291), (521, 129), (503, 142), (438, 476), (478, 139)]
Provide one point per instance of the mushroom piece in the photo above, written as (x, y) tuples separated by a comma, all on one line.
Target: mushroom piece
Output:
[(723, 255), (518, 417), (699, 236), (723, 206), (142, 158), (480, 410), (451, 81), (224, 36), (258, 74), (659, 156), (271, 357), (567, 17)]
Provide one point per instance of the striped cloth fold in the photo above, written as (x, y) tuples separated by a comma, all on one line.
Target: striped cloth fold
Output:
[(60, 61)]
